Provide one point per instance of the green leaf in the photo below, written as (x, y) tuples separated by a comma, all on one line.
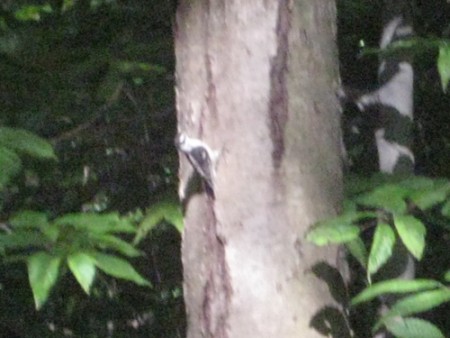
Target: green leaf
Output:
[(355, 185), (51, 232), (339, 229), (412, 233), (10, 165), (417, 183), (168, 211), (32, 12), (119, 268), (21, 140), (174, 216), (42, 273), (97, 223), (427, 198), (416, 303), (447, 276), (443, 64), (358, 250), (23, 240), (29, 219), (413, 328), (112, 242), (389, 197), (381, 250), (446, 209), (349, 207), (394, 286), (83, 268)]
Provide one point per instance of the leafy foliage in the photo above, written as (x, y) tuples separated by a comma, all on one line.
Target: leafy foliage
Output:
[(79, 239), (15, 142), (94, 80), (43, 271), (414, 328), (393, 207), (382, 247), (168, 211)]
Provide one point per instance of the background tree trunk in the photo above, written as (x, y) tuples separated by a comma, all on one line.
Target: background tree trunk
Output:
[(395, 137), (256, 80)]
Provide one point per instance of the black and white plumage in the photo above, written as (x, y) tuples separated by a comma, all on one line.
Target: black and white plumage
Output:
[(200, 155)]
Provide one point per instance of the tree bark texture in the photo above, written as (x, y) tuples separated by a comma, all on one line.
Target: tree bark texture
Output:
[(256, 80)]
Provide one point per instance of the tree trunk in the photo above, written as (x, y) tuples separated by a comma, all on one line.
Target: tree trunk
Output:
[(256, 81), (395, 136)]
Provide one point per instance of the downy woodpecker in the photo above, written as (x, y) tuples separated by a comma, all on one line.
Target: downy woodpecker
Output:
[(201, 157)]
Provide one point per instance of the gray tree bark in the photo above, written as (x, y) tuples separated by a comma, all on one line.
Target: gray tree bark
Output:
[(256, 80)]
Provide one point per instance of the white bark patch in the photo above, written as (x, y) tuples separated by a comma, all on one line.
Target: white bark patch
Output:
[(390, 152), (394, 29), (404, 31), (396, 93), (389, 31)]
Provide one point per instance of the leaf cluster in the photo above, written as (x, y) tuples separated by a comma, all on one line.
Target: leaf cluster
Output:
[(393, 209), (95, 79), (83, 242)]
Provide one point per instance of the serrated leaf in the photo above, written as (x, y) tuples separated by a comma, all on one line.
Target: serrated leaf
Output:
[(83, 268), (43, 271), (23, 141), (388, 197), (10, 165), (413, 328), (381, 250), (97, 223), (394, 286), (412, 233), (106, 241), (119, 268), (358, 250), (416, 303), (443, 65)]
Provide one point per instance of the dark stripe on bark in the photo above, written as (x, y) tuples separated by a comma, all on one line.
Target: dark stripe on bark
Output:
[(217, 289), (278, 105)]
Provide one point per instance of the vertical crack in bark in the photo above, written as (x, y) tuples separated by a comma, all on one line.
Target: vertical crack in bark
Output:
[(217, 285), (217, 288), (211, 87), (278, 105), (211, 92)]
